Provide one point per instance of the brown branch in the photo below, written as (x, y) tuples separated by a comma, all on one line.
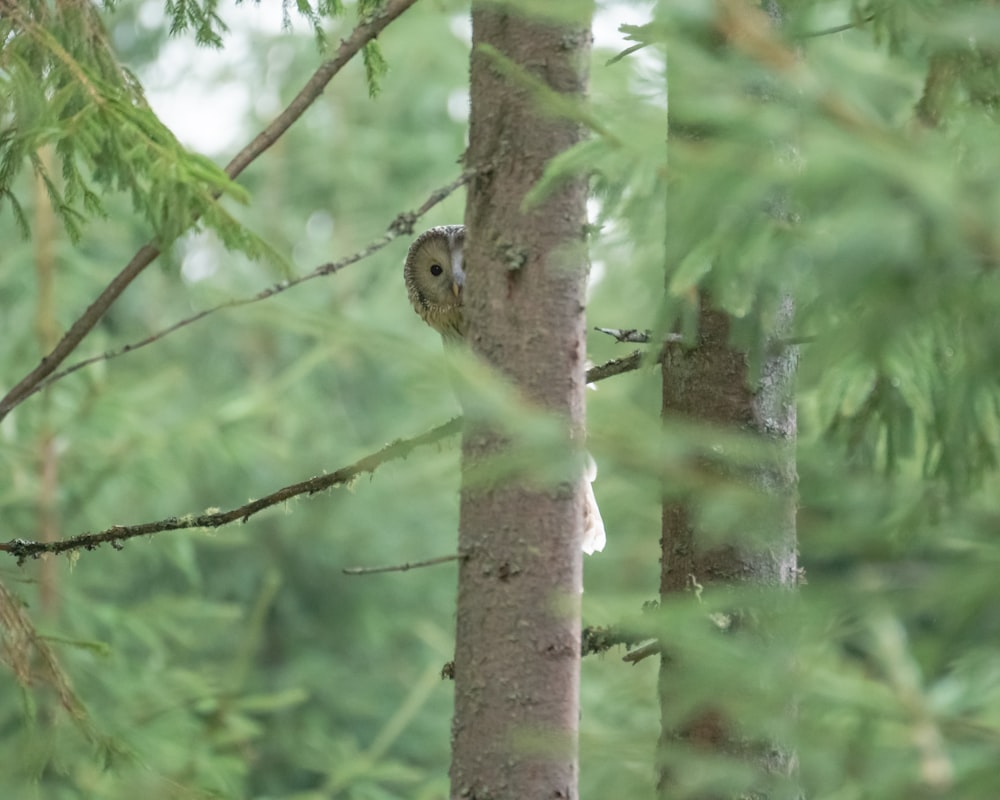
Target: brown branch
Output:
[(631, 335), (430, 562), (836, 28), (942, 75), (598, 639), (626, 52), (636, 634), (635, 336), (365, 32), (401, 448), (362, 35), (402, 225), (804, 35), (652, 648), (616, 366), (117, 534)]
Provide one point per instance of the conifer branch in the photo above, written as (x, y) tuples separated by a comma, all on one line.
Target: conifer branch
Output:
[(653, 648), (616, 366), (626, 52), (430, 562), (117, 534), (634, 336), (402, 225), (599, 639), (33, 662), (837, 28), (364, 33), (626, 334)]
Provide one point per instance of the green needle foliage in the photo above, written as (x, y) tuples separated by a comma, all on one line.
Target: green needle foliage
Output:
[(855, 174), (64, 88)]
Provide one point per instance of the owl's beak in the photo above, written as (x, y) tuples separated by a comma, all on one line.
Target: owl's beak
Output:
[(457, 276)]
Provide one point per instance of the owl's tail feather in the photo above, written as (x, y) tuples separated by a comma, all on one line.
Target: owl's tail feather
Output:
[(594, 536)]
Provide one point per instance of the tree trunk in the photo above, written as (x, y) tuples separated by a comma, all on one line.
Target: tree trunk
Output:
[(711, 383), (517, 652)]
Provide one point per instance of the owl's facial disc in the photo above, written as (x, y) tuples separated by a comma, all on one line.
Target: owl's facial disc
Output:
[(435, 279)]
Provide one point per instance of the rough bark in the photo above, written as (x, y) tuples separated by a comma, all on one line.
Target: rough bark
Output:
[(711, 383), (517, 646)]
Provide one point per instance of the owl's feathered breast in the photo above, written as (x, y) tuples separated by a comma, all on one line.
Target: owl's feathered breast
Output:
[(449, 321)]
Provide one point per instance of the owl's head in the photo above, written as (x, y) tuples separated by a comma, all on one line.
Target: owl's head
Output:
[(435, 276)]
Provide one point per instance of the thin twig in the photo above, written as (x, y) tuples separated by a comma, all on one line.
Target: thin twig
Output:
[(805, 35), (117, 534), (430, 562), (626, 334), (626, 52), (402, 225), (836, 28), (635, 336), (362, 35)]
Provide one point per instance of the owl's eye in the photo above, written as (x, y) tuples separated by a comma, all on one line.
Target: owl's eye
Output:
[(436, 269)]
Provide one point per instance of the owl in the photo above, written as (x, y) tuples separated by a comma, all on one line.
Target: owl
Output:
[(434, 277), (434, 273)]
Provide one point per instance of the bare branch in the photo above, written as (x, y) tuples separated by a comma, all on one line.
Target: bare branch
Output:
[(430, 562), (402, 225), (652, 648), (368, 30), (635, 336), (616, 366), (626, 52), (362, 34), (599, 640), (631, 335), (117, 534), (836, 28)]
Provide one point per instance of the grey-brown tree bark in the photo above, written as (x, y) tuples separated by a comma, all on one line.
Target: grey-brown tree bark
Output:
[(517, 651), (711, 383)]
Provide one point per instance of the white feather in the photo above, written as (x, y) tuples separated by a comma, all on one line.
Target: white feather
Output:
[(594, 536)]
